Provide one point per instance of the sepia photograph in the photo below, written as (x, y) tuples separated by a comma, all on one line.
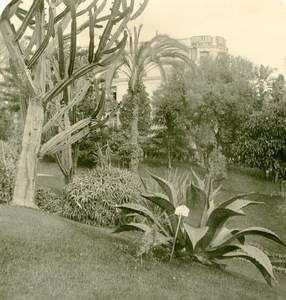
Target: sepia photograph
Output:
[(142, 149)]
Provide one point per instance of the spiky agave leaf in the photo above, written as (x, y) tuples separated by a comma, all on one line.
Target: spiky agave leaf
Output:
[(208, 188), (233, 199), (255, 256), (133, 227), (143, 211), (260, 231), (197, 203), (162, 201), (195, 234), (214, 193), (221, 236), (167, 187), (216, 221), (197, 180), (218, 253), (210, 205), (169, 209), (238, 204)]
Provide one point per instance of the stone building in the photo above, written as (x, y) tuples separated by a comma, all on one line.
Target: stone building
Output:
[(203, 46)]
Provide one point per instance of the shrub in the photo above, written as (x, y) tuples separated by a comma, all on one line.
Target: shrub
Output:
[(262, 143), (88, 149), (217, 165), (6, 124), (8, 160), (49, 201), (197, 228), (119, 142), (91, 197), (281, 209)]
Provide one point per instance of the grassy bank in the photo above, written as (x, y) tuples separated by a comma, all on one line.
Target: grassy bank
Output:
[(48, 257)]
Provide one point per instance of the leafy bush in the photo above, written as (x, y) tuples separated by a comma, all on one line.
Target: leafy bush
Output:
[(8, 160), (49, 201), (197, 228), (119, 143), (91, 196), (6, 124), (127, 108), (217, 164), (262, 143), (88, 149), (281, 209)]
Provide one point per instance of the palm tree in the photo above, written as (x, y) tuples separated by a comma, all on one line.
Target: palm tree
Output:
[(135, 62)]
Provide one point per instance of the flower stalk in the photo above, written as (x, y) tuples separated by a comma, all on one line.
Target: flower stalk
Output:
[(176, 234), (181, 211)]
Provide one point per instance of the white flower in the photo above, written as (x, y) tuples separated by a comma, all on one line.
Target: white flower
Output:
[(182, 210)]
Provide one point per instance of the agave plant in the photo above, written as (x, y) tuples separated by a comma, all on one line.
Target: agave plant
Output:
[(203, 233), (159, 223)]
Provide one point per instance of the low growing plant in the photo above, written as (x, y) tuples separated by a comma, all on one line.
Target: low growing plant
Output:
[(217, 165), (202, 233), (91, 197), (8, 161), (49, 201)]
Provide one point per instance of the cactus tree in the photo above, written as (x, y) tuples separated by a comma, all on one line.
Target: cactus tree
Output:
[(44, 76)]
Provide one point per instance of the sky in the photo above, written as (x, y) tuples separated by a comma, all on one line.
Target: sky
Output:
[(254, 29)]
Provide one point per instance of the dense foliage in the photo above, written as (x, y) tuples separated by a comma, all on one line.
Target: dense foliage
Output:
[(171, 133), (207, 113), (135, 62), (198, 227), (89, 148), (206, 104), (8, 160), (262, 143), (6, 124), (117, 139), (144, 110), (91, 196), (49, 201), (9, 92)]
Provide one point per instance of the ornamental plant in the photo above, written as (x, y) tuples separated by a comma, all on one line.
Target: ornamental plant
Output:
[(262, 143), (8, 160), (91, 196), (202, 232)]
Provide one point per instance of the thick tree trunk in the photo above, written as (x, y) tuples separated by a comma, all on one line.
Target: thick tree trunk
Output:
[(24, 191), (134, 160)]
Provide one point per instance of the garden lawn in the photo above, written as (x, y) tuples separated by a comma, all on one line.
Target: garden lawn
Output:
[(48, 257)]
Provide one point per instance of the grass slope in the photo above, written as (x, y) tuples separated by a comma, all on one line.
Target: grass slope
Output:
[(48, 257)]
